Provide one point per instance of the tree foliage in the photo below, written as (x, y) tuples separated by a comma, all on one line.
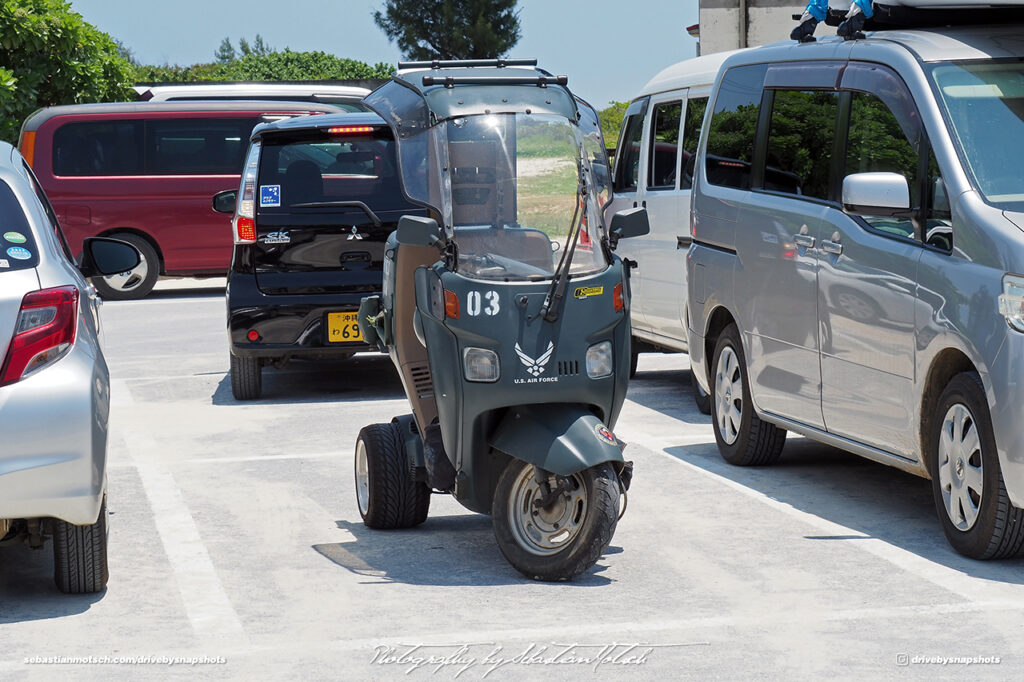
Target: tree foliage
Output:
[(611, 122), (451, 29), (49, 55), (272, 66)]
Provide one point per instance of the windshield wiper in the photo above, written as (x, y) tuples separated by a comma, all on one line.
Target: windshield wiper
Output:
[(561, 279), (341, 204)]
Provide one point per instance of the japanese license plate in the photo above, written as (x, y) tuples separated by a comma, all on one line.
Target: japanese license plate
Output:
[(342, 328)]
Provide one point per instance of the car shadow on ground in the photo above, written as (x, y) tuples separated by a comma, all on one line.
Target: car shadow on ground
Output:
[(667, 391), (869, 498), (27, 590), (365, 376), (445, 551)]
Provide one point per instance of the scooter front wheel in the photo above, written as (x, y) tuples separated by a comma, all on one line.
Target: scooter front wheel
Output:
[(556, 528)]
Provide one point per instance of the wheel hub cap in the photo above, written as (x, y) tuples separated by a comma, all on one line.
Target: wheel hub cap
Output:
[(960, 467), (728, 395), (544, 531), (362, 479)]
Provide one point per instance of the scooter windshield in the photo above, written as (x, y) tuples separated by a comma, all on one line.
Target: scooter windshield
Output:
[(514, 196)]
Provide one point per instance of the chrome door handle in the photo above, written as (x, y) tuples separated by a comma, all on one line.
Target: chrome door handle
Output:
[(805, 240), (829, 246)]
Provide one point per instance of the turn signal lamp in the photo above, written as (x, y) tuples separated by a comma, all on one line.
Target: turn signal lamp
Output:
[(617, 299), (451, 304)]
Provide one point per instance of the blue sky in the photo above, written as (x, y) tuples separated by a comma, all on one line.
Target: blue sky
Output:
[(608, 49)]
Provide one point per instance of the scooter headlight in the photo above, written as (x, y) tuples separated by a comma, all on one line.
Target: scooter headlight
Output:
[(599, 360), (481, 364)]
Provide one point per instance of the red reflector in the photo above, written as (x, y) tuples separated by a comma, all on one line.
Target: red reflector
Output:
[(44, 333), (451, 304), (350, 130), (246, 230), (617, 299), (253, 335)]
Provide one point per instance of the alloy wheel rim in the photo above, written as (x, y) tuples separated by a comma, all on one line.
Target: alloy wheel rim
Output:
[(729, 395), (129, 279), (362, 479), (543, 531), (961, 479)]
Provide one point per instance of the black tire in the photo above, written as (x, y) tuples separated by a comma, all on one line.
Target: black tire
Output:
[(387, 494), (747, 440), (989, 526), (141, 280), (246, 377), (702, 399), (80, 555), (596, 521), (634, 357)]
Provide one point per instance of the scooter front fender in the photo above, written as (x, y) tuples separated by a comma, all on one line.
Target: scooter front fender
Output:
[(562, 439)]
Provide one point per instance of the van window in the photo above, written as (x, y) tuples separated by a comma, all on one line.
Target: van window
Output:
[(801, 135), (695, 109), (730, 145), (198, 146), (92, 148), (877, 142), (627, 155), (664, 145)]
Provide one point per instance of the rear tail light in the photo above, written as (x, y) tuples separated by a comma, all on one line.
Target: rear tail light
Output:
[(245, 215), (350, 130), (27, 146), (44, 334)]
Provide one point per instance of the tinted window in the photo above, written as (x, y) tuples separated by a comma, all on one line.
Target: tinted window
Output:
[(198, 146), (664, 145), (878, 142), (627, 156), (730, 148), (98, 148), (17, 244), (329, 168), (801, 135), (695, 109)]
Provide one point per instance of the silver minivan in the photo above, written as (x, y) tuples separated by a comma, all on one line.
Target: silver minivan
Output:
[(857, 267)]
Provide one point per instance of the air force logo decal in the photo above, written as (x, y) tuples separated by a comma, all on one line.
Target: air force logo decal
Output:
[(536, 366)]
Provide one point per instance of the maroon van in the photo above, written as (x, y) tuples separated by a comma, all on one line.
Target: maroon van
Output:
[(145, 172)]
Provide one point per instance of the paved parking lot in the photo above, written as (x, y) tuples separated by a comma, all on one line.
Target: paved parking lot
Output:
[(235, 539)]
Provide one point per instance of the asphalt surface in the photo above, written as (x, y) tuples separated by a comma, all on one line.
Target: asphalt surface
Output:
[(235, 540)]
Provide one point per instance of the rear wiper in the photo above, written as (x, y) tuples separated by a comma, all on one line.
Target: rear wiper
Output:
[(342, 204)]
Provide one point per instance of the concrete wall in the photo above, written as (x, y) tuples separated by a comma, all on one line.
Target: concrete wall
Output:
[(768, 21)]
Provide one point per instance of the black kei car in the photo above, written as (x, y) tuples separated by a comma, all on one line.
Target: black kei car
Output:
[(319, 196)]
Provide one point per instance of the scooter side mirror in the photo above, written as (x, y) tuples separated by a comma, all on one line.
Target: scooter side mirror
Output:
[(418, 231), (632, 222)]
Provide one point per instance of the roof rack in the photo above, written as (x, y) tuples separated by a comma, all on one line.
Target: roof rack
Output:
[(465, 63), (452, 81)]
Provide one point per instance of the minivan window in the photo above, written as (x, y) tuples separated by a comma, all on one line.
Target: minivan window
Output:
[(17, 244), (695, 109), (801, 134), (198, 146), (627, 155), (984, 104), (664, 145), (730, 145), (91, 148), (877, 142)]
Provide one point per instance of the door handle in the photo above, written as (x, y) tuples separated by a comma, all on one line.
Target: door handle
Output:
[(804, 240), (683, 242), (829, 246)]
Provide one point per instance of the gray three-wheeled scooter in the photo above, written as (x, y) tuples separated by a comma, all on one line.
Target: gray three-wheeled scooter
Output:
[(506, 313)]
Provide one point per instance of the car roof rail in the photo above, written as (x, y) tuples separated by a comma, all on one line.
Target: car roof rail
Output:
[(452, 81), (465, 63)]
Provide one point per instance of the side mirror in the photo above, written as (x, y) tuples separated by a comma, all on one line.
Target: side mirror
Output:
[(224, 202), (106, 256), (876, 194), (632, 222), (418, 231)]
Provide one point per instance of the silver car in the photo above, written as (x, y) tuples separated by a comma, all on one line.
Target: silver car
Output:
[(54, 386), (857, 267)]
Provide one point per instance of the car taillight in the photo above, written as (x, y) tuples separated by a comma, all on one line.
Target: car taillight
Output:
[(245, 214), (44, 334), (27, 146)]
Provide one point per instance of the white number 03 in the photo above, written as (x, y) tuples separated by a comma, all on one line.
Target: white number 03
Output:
[(474, 303)]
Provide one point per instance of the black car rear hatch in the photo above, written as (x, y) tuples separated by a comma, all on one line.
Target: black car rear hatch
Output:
[(326, 201)]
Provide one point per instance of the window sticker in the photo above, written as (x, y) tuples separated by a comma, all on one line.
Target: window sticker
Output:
[(15, 237), (4, 263), (18, 253), (270, 195)]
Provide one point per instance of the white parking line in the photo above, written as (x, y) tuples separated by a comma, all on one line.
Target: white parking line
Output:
[(976, 590), (206, 603), (264, 458)]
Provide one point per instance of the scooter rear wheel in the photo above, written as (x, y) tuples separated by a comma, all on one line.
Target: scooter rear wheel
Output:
[(563, 539), (386, 493)]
